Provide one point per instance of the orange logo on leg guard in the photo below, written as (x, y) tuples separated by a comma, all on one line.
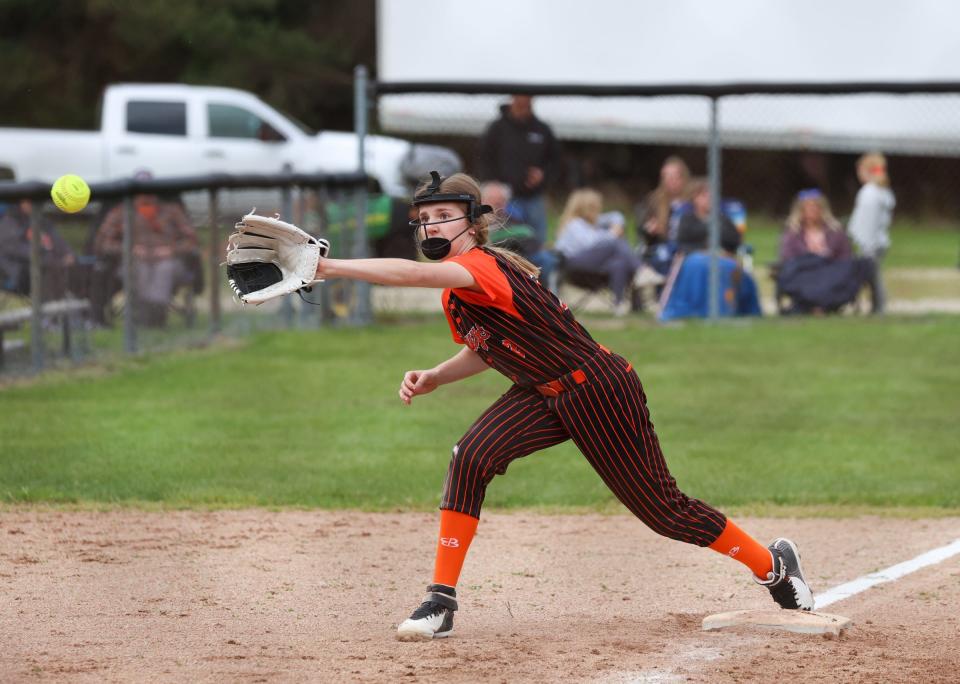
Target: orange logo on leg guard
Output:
[(734, 551), (451, 542)]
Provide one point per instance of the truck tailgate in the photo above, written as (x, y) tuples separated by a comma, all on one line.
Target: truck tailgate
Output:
[(36, 154)]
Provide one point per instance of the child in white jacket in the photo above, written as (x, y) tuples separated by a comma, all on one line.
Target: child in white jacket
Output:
[(872, 214)]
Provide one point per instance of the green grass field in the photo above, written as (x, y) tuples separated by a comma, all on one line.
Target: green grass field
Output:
[(847, 412)]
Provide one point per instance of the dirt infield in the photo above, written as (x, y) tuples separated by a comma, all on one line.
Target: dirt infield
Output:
[(315, 596)]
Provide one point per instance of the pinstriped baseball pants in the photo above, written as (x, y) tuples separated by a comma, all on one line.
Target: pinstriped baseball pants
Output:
[(607, 418)]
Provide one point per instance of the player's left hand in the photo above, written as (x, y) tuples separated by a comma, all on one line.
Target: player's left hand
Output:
[(417, 382)]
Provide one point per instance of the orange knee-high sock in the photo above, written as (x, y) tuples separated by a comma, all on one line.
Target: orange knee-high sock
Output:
[(456, 533), (740, 546)]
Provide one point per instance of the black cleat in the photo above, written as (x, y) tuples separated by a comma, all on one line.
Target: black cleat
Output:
[(434, 618), (786, 583)]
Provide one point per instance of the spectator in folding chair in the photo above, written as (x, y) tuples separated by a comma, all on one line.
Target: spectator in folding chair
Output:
[(817, 270), (693, 230), (165, 250), (658, 215), (594, 244), (56, 255), (687, 292)]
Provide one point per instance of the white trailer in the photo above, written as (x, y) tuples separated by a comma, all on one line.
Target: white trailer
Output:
[(650, 43)]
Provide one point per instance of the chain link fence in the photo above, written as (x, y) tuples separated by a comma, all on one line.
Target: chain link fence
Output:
[(773, 144), (140, 269), (774, 141), (99, 283)]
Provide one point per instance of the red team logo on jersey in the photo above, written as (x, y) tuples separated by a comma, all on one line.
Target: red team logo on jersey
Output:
[(477, 338)]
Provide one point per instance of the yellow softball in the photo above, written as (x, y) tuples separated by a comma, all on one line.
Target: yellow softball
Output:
[(70, 193)]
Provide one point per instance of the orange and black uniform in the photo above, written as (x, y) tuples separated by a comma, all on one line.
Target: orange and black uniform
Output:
[(566, 386)]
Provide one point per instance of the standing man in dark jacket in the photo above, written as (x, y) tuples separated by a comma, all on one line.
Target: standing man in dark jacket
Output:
[(520, 150)]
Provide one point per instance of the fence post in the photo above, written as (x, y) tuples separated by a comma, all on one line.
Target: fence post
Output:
[(129, 284), (713, 167), (312, 223), (299, 218), (36, 291), (216, 324), (322, 197), (361, 313)]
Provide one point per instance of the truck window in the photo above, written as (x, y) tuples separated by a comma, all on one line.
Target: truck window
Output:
[(159, 118), (227, 121)]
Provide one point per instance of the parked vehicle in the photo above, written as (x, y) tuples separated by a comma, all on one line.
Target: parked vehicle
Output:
[(185, 130)]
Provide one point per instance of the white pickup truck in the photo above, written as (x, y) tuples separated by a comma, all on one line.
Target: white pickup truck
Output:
[(185, 130)]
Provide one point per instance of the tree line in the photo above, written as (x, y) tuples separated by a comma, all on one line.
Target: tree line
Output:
[(298, 56)]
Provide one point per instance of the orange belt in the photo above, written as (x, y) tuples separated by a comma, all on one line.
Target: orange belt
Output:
[(555, 387)]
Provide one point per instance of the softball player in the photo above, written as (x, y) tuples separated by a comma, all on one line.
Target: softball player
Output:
[(565, 386)]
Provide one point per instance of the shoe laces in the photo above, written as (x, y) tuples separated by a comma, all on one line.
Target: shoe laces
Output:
[(776, 576), (427, 609)]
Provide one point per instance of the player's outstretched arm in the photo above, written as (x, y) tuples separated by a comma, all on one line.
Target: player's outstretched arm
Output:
[(396, 272), (464, 364)]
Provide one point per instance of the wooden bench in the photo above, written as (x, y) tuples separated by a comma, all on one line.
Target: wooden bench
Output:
[(66, 311)]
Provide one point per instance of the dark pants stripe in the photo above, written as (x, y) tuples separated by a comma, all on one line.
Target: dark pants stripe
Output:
[(608, 419)]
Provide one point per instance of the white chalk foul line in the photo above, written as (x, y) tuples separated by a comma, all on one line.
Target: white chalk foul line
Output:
[(897, 571)]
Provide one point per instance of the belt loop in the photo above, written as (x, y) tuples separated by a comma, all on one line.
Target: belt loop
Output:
[(551, 389), (555, 387)]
